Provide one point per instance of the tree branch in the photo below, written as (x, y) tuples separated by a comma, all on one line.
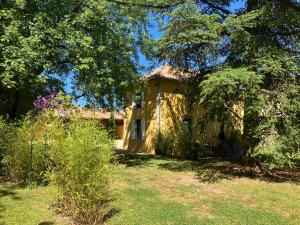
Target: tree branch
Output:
[(232, 111), (147, 5), (291, 3), (216, 7), (169, 5)]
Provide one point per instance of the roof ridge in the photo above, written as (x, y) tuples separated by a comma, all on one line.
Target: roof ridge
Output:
[(170, 72)]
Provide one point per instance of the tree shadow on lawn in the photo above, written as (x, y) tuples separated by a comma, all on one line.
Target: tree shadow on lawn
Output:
[(7, 190), (210, 170), (46, 223), (138, 160)]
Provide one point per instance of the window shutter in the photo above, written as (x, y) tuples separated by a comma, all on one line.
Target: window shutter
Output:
[(143, 129), (133, 130), (143, 99), (133, 103)]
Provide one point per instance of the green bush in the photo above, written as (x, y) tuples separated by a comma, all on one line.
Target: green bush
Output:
[(112, 125), (26, 153), (6, 133), (274, 151), (163, 144), (233, 143), (73, 153), (82, 152), (184, 145), (175, 142), (205, 151)]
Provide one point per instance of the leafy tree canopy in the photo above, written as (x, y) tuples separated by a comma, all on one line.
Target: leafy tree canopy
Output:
[(98, 41)]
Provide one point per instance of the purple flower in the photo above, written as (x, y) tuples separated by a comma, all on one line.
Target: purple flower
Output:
[(52, 101), (45, 102)]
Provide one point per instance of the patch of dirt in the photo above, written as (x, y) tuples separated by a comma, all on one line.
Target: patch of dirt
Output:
[(248, 202), (204, 210), (215, 192), (188, 181)]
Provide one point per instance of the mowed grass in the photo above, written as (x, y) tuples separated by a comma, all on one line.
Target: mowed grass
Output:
[(24, 206), (156, 190)]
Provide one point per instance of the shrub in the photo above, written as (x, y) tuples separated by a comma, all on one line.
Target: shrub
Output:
[(26, 153), (163, 144), (274, 151), (183, 143), (112, 125), (74, 153), (232, 143), (82, 151), (205, 151), (6, 133), (175, 142)]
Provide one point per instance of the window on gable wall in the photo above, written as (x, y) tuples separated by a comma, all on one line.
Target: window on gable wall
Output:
[(138, 100)]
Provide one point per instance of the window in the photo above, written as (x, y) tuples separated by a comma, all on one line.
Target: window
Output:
[(138, 129), (138, 100)]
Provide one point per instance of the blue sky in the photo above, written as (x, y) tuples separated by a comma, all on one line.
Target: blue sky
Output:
[(156, 34)]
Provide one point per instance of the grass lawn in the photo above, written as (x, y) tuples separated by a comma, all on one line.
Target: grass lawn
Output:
[(156, 190), (24, 206)]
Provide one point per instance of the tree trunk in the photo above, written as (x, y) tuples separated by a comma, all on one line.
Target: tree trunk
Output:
[(14, 101)]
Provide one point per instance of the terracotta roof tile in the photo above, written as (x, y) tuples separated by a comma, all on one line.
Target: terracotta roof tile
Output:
[(91, 113), (172, 73), (101, 114)]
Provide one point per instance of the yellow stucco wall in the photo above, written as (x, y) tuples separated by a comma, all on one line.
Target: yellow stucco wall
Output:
[(119, 131), (148, 112), (173, 108)]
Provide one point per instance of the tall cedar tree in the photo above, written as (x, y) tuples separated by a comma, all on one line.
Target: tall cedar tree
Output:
[(251, 57)]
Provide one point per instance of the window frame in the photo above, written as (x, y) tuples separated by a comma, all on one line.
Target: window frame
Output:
[(138, 129)]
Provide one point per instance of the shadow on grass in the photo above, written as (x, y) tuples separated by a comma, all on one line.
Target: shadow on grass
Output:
[(46, 223), (111, 213), (210, 170), (138, 160), (7, 190)]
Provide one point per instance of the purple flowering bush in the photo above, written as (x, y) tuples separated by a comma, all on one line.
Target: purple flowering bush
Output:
[(53, 101)]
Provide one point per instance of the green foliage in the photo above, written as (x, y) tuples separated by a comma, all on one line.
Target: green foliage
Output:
[(82, 152), (97, 41), (174, 142), (73, 153), (190, 37), (204, 150), (256, 64), (112, 125), (162, 144), (6, 134), (26, 156), (272, 149), (222, 89)]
